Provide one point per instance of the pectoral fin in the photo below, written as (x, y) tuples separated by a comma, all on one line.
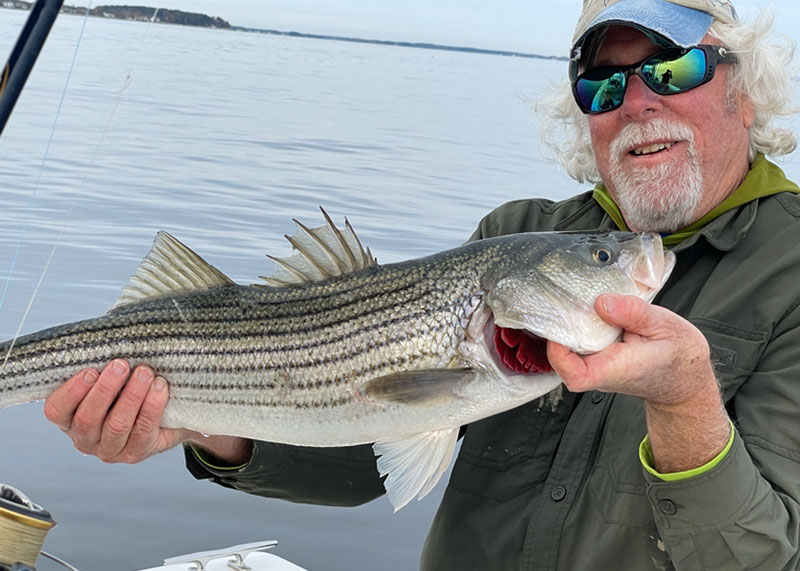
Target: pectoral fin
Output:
[(423, 387), (414, 464)]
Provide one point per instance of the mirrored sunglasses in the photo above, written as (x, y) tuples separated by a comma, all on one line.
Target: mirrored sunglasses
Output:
[(670, 71)]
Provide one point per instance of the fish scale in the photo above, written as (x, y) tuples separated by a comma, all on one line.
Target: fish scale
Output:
[(341, 351)]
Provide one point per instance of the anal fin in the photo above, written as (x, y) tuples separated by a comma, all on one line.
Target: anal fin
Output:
[(414, 464)]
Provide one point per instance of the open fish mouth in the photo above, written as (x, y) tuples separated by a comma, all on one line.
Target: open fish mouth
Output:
[(514, 351), (521, 351)]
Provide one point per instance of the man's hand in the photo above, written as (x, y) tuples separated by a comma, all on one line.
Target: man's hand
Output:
[(116, 416), (664, 360)]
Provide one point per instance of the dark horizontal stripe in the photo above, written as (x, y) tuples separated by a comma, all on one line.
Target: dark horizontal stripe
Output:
[(294, 306), (283, 323), (208, 399), (242, 402), (237, 386), (37, 351), (154, 319), (16, 383), (154, 357), (319, 384)]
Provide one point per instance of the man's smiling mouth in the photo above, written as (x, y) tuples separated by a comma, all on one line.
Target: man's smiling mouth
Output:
[(651, 149)]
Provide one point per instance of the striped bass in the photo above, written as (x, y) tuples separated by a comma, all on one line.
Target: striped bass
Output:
[(337, 350)]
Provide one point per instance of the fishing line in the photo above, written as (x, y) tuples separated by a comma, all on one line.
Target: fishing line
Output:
[(32, 200), (125, 83), (28, 309), (93, 157), (42, 165)]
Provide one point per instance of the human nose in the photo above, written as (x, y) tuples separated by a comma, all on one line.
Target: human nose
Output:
[(640, 101)]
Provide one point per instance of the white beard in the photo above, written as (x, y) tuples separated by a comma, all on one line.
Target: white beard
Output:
[(663, 198)]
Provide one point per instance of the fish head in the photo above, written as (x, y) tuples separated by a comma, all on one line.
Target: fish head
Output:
[(545, 285)]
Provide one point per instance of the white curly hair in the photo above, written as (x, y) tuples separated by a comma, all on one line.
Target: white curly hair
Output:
[(763, 73)]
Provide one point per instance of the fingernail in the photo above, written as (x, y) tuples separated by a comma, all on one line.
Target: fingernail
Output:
[(119, 366), (144, 374), (89, 377), (160, 384), (608, 303)]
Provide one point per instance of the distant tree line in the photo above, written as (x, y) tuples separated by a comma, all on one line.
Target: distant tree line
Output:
[(141, 13), (164, 15)]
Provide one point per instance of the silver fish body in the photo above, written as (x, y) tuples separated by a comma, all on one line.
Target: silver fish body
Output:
[(400, 354)]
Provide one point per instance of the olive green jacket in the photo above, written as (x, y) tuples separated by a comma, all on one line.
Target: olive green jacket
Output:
[(541, 488)]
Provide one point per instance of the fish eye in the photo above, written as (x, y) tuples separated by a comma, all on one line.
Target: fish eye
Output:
[(602, 255)]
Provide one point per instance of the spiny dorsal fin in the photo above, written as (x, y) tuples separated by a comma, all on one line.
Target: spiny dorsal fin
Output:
[(170, 267), (321, 253)]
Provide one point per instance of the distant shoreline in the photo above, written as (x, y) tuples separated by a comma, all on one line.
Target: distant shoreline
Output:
[(418, 45), (132, 13), (177, 17)]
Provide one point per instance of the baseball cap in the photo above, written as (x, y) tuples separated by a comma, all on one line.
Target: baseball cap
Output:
[(679, 22)]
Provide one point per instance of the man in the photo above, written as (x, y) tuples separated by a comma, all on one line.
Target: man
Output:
[(676, 448)]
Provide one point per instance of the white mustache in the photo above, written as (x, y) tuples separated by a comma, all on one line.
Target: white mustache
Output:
[(635, 135)]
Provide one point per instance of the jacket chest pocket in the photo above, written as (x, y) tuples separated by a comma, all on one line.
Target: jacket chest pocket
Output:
[(734, 352), (617, 485), (507, 454)]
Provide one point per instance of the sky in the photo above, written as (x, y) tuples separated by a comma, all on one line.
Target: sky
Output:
[(529, 26)]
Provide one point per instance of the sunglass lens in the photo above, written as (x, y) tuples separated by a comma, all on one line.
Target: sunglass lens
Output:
[(676, 75), (601, 94)]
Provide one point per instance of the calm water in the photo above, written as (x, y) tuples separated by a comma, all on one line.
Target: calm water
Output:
[(222, 138)]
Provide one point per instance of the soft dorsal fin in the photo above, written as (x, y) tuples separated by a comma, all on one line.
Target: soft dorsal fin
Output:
[(321, 253), (170, 267)]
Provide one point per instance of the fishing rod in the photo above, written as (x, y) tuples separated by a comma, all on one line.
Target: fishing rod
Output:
[(23, 56)]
